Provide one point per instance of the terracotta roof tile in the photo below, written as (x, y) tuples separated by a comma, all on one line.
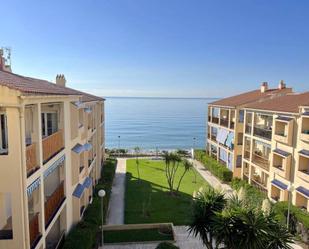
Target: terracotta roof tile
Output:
[(287, 103), (249, 97), (32, 86)]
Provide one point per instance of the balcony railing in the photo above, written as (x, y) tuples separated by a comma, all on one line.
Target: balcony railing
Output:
[(224, 122), (262, 132), (53, 203), (31, 159), (247, 154), (260, 161), (215, 120), (34, 230), (259, 184), (52, 145), (248, 129)]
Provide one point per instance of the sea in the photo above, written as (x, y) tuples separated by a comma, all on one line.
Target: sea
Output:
[(155, 123)]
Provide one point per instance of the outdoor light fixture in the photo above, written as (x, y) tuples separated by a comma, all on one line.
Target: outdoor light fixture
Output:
[(101, 194)]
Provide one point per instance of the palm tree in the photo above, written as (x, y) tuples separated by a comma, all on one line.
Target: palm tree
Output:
[(232, 224), (137, 151), (187, 167), (205, 207)]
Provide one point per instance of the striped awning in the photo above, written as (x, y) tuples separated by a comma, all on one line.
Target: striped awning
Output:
[(279, 184), (78, 191), (303, 190), (33, 186), (282, 152), (87, 182), (54, 166)]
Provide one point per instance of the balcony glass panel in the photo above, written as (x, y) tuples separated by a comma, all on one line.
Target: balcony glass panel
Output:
[(263, 126), (261, 154)]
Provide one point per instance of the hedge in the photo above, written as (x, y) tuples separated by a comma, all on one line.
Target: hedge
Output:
[(84, 234), (216, 168)]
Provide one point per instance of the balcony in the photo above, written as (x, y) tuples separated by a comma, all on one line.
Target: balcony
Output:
[(232, 125), (303, 165), (34, 230), (31, 159), (224, 122), (257, 182), (247, 154), (209, 118), (281, 163), (214, 137), (215, 120), (52, 145), (261, 161), (53, 203), (262, 132), (248, 129), (305, 129)]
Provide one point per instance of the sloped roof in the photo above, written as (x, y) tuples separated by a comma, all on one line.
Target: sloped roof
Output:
[(32, 86), (249, 97), (287, 103)]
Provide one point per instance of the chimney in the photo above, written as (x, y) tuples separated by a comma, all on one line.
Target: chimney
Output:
[(264, 87), (282, 85), (60, 80), (3, 62)]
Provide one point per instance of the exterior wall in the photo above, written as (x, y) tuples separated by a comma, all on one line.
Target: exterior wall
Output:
[(24, 165)]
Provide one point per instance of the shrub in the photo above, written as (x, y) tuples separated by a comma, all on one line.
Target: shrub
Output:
[(216, 168), (254, 197), (84, 234), (166, 245), (281, 209)]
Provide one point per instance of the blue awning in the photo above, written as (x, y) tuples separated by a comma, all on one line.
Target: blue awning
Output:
[(304, 152), (279, 184), (33, 186), (281, 152), (229, 140), (78, 148), (87, 146), (87, 182), (306, 113), (282, 118), (78, 191), (303, 190)]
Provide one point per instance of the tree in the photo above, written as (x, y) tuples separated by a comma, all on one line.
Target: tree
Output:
[(205, 207), (172, 163), (187, 167), (137, 151), (232, 224)]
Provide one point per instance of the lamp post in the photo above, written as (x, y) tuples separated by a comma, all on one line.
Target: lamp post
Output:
[(193, 148), (289, 189), (119, 145), (101, 194)]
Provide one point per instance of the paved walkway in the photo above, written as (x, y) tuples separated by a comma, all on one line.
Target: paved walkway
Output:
[(184, 241), (115, 213), (210, 178)]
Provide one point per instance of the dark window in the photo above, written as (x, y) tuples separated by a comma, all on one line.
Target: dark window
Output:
[(3, 135)]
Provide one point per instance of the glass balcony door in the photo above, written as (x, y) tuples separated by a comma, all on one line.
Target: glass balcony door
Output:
[(49, 123)]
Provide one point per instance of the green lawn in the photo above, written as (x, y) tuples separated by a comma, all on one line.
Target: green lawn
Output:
[(136, 235), (148, 200)]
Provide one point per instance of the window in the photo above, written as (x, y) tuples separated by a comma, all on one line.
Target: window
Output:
[(238, 161), (3, 135), (49, 123), (241, 116), (6, 231)]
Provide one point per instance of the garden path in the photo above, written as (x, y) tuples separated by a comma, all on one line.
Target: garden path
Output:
[(115, 213)]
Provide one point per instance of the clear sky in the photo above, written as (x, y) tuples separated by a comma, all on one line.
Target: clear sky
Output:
[(177, 48)]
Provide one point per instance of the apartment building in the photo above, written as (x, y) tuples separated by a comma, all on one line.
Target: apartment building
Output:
[(226, 124), (276, 147), (51, 154)]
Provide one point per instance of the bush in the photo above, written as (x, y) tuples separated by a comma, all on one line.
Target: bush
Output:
[(166, 245), (254, 197), (216, 168), (281, 209), (84, 234)]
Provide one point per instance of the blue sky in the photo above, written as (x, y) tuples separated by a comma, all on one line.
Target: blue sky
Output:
[(177, 48)]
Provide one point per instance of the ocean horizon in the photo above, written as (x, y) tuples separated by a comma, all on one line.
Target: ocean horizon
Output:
[(151, 123)]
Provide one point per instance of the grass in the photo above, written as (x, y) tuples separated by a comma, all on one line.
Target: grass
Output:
[(148, 200), (136, 235), (84, 234)]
